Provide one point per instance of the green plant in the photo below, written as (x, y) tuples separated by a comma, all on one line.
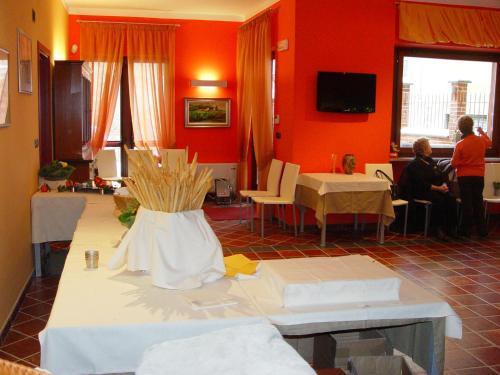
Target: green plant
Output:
[(496, 185), (56, 170)]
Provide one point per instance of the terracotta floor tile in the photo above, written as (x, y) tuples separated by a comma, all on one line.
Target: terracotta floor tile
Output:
[(483, 279), (33, 360), (493, 336), (460, 359), (460, 280), (21, 318), (468, 299), (476, 288), (22, 348), (291, 254), (7, 356), (485, 310), (476, 371), (31, 327), (313, 253), (472, 340), (490, 356), (12, 336), (37, 309), (489, 297)]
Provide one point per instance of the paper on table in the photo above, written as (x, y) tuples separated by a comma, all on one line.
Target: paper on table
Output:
[(203, 303), (239, 264)]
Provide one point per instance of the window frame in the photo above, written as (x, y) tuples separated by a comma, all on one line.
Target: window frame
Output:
[(402, 52)]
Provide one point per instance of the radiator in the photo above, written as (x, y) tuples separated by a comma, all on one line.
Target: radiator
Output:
[(222, 170)]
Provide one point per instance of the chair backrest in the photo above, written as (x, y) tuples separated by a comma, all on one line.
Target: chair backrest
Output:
[(106, 163), (491, 174), (273, 178), (130, 165), (171, 155), (370, 169), (289, 181)]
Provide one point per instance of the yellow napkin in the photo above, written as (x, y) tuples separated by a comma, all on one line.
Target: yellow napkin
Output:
[(239, 264)]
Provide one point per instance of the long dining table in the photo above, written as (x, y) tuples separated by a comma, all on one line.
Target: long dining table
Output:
[(337, 193), (103, 320)]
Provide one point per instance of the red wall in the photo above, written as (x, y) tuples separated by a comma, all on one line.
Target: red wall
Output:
[(202, 47), (352, 36)]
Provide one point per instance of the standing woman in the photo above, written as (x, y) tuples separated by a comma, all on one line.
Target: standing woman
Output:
[(468, 159)]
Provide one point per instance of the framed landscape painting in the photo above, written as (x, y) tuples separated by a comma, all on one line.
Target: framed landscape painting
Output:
[(24, 62), (207, 113)]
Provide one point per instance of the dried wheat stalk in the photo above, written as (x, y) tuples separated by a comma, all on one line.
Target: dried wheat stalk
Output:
[(158, 188)]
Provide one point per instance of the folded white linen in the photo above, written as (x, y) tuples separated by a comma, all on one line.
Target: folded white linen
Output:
[(326, 281), (256, 349), (179, 249)]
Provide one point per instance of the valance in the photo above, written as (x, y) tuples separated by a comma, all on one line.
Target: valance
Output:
[(445, 24)]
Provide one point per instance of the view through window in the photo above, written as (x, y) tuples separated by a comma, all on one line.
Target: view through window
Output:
[(436, 92)]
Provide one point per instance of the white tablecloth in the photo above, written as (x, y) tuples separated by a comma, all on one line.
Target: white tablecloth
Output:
[(103, 320), (325, 183), (54, 215)]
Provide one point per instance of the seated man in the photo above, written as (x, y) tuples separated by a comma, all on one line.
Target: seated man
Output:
[(425, 181)]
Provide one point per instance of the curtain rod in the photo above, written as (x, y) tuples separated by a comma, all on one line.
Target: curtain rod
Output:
[(131, 23)]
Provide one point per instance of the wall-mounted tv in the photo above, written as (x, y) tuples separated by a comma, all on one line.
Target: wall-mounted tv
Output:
[(346, 92)]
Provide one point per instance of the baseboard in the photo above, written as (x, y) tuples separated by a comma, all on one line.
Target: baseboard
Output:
[(5, 328)]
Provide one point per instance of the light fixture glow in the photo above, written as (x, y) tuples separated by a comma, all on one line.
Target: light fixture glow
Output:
[(208, 83)]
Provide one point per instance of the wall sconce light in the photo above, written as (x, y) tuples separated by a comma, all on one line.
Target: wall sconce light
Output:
[(74, 48), (208, 83)]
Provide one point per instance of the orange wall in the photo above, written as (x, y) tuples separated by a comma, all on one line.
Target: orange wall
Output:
[(352, 36), (204, 50)]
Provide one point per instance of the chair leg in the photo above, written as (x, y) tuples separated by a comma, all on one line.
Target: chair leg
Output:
[(294, 220), (284, 217), (302, 210), (241, 211), (427, 219), (262, 206), (251, 215), (406, 220), (279, 217), (378, 225), (356, 222)]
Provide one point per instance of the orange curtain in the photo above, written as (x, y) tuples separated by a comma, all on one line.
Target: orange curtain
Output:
[(444, 24), (102, 45), (151, 51), (254, 96)]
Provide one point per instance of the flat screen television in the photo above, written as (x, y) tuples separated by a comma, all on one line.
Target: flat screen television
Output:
[(346, 92)]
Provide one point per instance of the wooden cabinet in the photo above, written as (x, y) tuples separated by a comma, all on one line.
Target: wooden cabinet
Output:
[(72, 115)]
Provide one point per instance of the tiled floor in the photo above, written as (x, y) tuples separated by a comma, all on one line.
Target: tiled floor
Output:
[(466, 274)]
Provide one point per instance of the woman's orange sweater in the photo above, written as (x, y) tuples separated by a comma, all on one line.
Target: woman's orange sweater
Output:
[(468, 157)]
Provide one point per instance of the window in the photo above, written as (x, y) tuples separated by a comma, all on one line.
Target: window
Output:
[(434, 88)]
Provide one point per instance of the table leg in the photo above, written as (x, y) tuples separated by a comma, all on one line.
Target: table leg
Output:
[(38, 259), (323, 232), (382, 230), (302, 210)]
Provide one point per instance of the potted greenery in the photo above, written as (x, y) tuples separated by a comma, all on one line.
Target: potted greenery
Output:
[(55, 173), (496, 188)]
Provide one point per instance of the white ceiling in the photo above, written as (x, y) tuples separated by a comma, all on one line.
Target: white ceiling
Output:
[(223, 10)]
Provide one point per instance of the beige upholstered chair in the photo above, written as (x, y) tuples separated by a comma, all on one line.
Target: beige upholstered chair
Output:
[(273, 185), (130, 165), (171, 155), (491, 174), (286, 196), (106, 163), (370, 170)]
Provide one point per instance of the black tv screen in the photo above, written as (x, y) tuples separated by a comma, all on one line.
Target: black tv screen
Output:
[(346, 92)]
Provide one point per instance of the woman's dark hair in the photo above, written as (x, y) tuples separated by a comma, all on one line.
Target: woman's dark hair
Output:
[(466, 125)]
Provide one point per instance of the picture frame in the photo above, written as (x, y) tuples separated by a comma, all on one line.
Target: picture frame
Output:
[(4, 88), (24, 62), (207, 112)]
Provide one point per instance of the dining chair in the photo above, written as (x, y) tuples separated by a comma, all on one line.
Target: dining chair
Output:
[(371, 170), (491, 175), (106, 163), (172, 155), (286, 196), (130, 164), (273, 186)]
